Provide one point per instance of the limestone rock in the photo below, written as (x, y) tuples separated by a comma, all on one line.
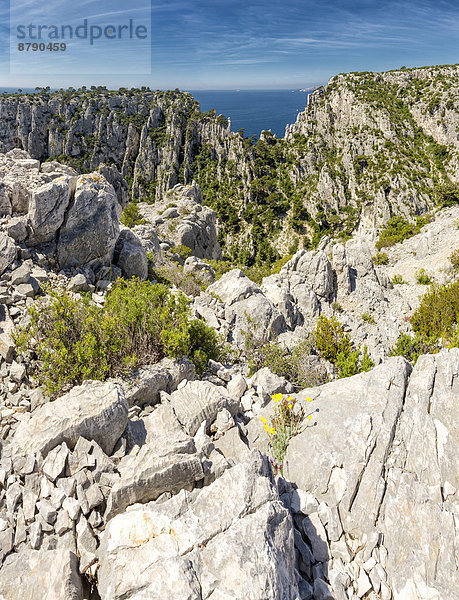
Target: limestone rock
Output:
[(198, 401), (32, 574), (7, 251), (163, 465), (191, 547), (94, 203), (48, 208), (97, 411), (130, 255)]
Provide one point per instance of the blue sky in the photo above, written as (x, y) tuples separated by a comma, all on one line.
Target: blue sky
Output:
[(227, 44)]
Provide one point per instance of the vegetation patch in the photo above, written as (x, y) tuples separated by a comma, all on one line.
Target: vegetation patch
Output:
[(140, 323), (131, 216)]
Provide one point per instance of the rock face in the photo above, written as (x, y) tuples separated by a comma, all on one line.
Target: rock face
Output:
[(94, 204), (168, 462), (199, 401), (241, 547), (94, 410), (130, 255), (377, 501), (7, 251), (73, 219), (181, 219)]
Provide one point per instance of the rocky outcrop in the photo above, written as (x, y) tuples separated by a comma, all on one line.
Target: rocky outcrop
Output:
[(73, 220), (181, 219), (51, 574), (376, 502), (367, 146), (94, 410), (149, 136), (193, 545)]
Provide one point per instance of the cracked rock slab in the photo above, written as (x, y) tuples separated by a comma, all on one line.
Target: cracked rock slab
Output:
[(96, 411), (233, 539), (41, 575)]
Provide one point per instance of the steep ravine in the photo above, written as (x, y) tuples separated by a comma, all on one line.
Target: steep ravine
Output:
[(367, 146)]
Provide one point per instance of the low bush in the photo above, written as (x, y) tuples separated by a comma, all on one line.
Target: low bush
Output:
[(140, 323), (368, 318), (336, 307), (381, 258), (131, 216), (330, 339), (397, 279), (423, 278), (447, 194), (257, 273), (349, 364), (438, 313), (335, 345), (183, 251), (411, 347), (396, 230)]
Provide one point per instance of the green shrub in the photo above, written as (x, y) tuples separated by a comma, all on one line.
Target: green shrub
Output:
[(447, 194), (423, 278), (336, 307), (131, 216), (438, 313), (347, 363), (380, 258), (331, 339), (454, 258), (183, 251), (396, 230), (293, 365), (397, 279), (411, 347), (366, 364), (140, 323), (258, 272), (368, 318)]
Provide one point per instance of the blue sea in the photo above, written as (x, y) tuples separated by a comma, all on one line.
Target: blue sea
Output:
[(252, 110), (255, 110)]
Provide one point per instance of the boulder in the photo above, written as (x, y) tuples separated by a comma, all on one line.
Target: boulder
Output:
[(8, 252), (96, 411), (233, 286), (144, 385), (232, 539), (387, 485), (313, 268), (91, 225), (200, 268), (166, 463), (200, 401), (271, 383), (130, 255), (41, 575), (47, 209)]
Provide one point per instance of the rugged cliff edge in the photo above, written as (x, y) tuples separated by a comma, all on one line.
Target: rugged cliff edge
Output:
[(367, 147)]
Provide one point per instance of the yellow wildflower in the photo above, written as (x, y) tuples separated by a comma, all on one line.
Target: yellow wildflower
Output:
[(271, 431), (308, 399), (290, 406), (277, 397), (309, 417), (263, 419)]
